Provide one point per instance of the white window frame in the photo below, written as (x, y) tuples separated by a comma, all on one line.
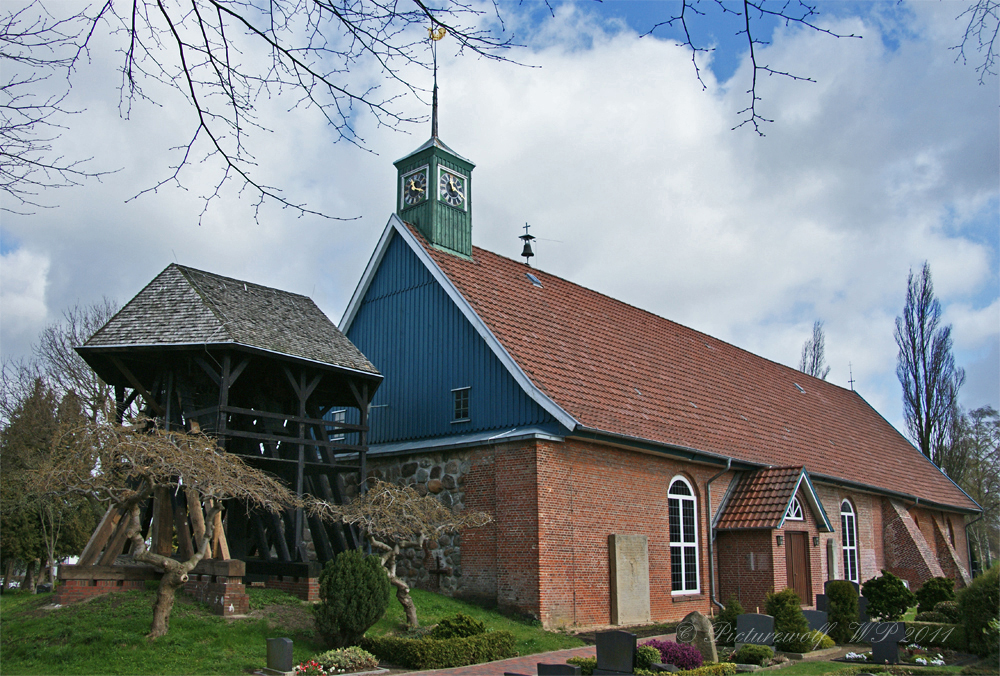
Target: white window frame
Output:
[(683, 544), (339, 416), (455, 393), (794, 511), (849, 541)]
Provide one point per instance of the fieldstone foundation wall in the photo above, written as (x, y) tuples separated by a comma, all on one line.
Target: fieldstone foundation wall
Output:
[(438, 567)]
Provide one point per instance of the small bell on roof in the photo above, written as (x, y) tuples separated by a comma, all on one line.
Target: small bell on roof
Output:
[(526, 252)]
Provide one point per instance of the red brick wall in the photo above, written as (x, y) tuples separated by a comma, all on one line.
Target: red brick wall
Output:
[(516, 513), (306, 588), (735, 575), (588, 491), (479, 545), (72, 591)]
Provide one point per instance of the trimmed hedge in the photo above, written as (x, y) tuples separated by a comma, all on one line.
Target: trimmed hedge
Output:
[(950, 610), (933, 616), (937, 634), (978, 604), (430, 653), (458, 626), (753, 654), (719, 669)]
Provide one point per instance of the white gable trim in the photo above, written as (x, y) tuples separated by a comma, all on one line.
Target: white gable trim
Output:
[(823, 521), (395, 226)]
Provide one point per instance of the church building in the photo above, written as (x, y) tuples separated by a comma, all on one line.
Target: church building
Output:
[(636, 469)]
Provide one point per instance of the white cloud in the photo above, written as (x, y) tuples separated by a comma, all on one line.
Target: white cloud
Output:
[(23, 277), (629, 175)]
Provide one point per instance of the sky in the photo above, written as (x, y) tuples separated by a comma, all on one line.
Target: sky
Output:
[(627, 168)]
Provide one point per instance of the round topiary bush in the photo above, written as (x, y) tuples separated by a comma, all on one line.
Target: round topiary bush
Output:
[(725, 623), (458, 626), (932, 616), (842, 610), (934, 591), (791, 630), (978, 604), (888, 598), (354, 593), (754, 654), (950, 610), (344, 660)]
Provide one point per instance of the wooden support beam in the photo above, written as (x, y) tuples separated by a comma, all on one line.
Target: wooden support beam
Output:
[(100, 536), (147, 397), (220, 546), (163, 522), (278, 537), (185, 547), (260, 535), (116, 543)]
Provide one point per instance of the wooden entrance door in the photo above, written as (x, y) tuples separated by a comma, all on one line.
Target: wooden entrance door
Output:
[(797, 565)]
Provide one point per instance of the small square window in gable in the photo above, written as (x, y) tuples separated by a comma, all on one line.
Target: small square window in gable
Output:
[(461, 404)]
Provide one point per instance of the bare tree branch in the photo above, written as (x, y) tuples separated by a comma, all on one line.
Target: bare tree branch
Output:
[(981, 31)]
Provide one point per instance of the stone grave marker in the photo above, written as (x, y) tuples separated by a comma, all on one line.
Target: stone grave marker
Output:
[(821, 602), (615, 652), (696, 629), (817, 620), (885, 638), (279, 655), (754, 628), (863, 610), (629, 566), (558, 669)]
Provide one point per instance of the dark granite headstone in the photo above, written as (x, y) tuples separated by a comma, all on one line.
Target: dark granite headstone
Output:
[(279, 654), (615, 652), (863, 610), (817, 620), (558, 669), (885, 638), (43, 588), (755, 629), (660, 666), (511, 673), (821, 602)]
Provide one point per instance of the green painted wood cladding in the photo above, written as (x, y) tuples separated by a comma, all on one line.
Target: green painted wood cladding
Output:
[(429, 178)]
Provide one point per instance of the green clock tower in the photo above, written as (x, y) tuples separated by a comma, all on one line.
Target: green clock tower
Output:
[(434, 193)]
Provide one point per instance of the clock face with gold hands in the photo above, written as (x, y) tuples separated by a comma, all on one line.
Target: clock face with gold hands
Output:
[(415, 187), (451, 189)]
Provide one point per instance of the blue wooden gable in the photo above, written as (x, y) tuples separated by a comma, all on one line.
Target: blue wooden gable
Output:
[(415, 335)]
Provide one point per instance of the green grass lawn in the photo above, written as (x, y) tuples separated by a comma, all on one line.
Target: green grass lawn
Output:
[(431, 608), (107, 634)]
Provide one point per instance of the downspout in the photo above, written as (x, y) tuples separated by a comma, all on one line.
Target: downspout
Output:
[(968, 543), (711, 534)]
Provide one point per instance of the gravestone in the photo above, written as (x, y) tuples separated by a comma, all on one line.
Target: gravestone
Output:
[(754, 628), (696, 630), (279, 655), (558, 669), (665, 668), (629, 566), (863, 610), (615, 652), (821, 602), (817, 620), (884, 638)]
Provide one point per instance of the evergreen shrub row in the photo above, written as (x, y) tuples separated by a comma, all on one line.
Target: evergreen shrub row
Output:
[(431, 653), (934, 591), (938, 635), (589, 664)]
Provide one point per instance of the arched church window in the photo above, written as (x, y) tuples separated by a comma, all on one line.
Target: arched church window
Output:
[(794, 511), (849, 540), (683, 537)]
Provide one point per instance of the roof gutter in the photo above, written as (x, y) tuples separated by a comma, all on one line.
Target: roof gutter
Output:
[(691, 454), (895, 494), (711, 534)]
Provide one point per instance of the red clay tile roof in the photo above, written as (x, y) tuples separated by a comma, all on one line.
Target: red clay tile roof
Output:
[(761, 499), (620, 369)]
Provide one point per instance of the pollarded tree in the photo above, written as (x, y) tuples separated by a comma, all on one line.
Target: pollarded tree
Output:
[(926, 366), (123, 466), (395, 518)]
